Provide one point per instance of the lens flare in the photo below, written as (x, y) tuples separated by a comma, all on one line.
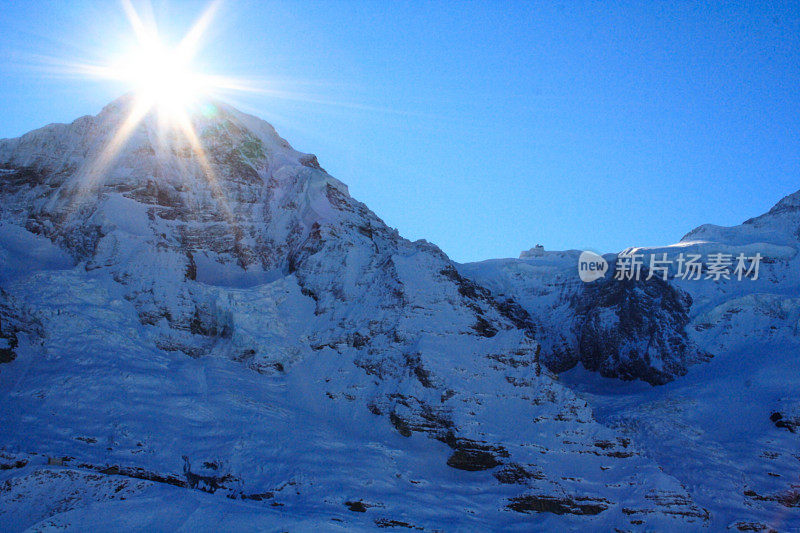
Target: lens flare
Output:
[(163, 80)]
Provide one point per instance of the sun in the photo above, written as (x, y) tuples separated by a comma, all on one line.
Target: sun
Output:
[(164, 81), (163, 78)]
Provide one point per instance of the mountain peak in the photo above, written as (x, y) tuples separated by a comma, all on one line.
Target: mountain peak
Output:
[(789, 203), (125, 133), (774, 226), (222, 181)]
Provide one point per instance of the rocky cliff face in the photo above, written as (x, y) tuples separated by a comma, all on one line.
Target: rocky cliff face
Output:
[(217, 313), (627, 329), (633, 329)]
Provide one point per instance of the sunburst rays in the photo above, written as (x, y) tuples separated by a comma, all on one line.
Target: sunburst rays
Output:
[(167, 92), (171, 106)]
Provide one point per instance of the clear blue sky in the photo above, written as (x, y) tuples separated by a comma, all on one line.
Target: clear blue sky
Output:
[(483, 127)]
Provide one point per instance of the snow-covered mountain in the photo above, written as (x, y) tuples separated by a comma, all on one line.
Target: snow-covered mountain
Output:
[(729, 350), (209, 332)]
